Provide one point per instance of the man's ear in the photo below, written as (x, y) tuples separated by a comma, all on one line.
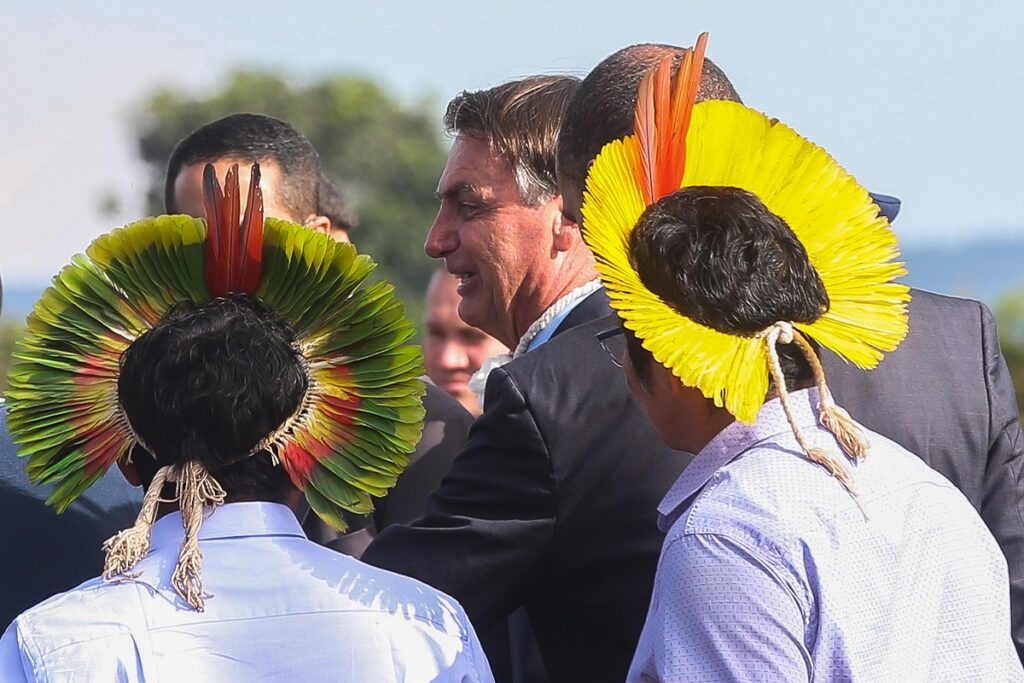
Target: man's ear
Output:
[(566, 233), (318, 223), (130, 473)]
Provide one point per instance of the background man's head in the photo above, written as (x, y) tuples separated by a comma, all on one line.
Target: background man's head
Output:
[(293, 183), (208, 384), (453, 350), (500, 228), (603, 107)]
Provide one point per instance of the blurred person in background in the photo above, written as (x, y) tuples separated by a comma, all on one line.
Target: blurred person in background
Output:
[(295, 189), (452, 350)]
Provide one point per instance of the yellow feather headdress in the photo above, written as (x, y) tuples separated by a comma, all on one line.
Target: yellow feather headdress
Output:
[(676, 144)]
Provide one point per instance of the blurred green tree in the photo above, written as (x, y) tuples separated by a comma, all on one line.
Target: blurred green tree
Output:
[(385, 155), (1009, 314)]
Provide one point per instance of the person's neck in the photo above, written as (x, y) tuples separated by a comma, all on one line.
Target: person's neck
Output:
[(291, 499), (550, 297)]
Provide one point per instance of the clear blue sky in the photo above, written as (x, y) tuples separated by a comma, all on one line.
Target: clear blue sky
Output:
[(918, 98)]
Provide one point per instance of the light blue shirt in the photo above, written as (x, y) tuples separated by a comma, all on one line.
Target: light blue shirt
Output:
[(281, 609), (772, 572), (548, 330)]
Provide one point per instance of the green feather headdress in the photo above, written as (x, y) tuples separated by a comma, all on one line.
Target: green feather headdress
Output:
[(362, 413)]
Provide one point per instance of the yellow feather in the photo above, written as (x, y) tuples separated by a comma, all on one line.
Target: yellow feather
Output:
[(847, 241)]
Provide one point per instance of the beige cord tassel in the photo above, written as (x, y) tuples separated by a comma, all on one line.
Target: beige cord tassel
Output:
[(125, 548), (783, 332), (832, 416), (197, 490)]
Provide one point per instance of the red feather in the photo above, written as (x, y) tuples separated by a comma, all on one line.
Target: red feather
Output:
[(252, 236), (663, 107), (234, 252), (231, 211), (214, 267)]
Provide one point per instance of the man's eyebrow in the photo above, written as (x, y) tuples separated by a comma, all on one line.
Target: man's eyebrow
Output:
[(455, 190)]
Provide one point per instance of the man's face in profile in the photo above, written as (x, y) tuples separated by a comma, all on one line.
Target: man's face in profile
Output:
[(498, 246)]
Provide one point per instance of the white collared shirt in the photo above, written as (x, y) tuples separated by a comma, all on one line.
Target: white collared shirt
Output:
[(281, 609)]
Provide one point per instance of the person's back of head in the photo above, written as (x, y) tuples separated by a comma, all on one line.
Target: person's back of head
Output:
[(602, 108), (720, 257), (210, 384)]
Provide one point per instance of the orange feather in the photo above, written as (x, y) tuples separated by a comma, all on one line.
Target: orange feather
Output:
[(214, 269), (663, 107)]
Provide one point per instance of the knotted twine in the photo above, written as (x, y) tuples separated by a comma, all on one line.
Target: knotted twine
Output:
[(195, 490), (832, 417)]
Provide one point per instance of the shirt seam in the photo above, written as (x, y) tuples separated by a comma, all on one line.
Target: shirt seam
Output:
[(689, 529), (777, 569), (38, 654)]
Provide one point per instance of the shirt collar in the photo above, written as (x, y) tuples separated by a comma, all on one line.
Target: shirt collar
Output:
[(730, 443), (231, 520), (548, 330)]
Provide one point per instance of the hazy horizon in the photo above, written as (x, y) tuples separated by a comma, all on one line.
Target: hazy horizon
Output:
[(917, 99)]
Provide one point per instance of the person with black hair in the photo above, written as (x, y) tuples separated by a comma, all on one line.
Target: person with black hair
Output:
[(229, 399), (294, 185), (800, 546), (945, 394), (296, 189)]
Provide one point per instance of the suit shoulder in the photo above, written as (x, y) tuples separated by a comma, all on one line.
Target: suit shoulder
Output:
[(922, 300), (440, 407)]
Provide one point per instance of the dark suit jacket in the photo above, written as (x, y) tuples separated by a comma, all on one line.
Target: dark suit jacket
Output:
[(552, 503), (45, 553)]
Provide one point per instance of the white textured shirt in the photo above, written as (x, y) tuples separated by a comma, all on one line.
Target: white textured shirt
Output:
[(772, 572), (281, 609)]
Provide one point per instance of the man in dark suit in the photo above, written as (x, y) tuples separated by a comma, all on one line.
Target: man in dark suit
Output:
[(550, 504), (295, 189), (944, 394), (46, 553)]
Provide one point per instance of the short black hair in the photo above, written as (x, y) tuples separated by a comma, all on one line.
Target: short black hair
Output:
[(721, 258), (332, 204), (251, 138), (209, 383), (603, 106)]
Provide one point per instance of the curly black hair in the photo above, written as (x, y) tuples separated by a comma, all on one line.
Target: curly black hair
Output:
[(208, 383)]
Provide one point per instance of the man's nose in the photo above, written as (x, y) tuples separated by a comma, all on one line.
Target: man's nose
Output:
[(453, 356), (441, 239)]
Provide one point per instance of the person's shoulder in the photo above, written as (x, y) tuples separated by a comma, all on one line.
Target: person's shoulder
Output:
[(441, 407), (943, 309), (575, 350), (94, 611), (396, 598)]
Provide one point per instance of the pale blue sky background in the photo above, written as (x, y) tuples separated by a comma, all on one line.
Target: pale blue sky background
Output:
[(918, 98)]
